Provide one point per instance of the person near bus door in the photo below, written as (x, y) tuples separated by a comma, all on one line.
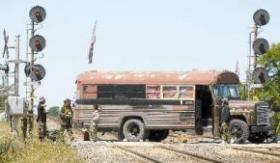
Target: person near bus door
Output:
[(66, 115), (42, 118), (224, 121), (93, 124)]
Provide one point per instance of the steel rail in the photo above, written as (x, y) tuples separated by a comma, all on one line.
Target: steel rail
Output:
[(193, 136), (190, 154), (136, 153), (256, 151)]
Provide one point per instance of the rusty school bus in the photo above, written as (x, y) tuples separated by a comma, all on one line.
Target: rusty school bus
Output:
[(149, 104)]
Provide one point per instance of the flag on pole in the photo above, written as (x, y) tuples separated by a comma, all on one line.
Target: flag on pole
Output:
[(93, 40), (237, 69)]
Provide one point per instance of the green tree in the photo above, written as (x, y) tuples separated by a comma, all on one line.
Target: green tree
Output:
[(243, 91), (271, 90), (53, 111)]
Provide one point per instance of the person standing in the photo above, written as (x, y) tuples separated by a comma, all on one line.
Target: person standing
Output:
[(66, 115), (224, 121), (27, 121), (93, 124), (42, 118)]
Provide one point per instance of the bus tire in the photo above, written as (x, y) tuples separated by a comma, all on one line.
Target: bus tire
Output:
[(133, 130), (158, 135), (239, 130)]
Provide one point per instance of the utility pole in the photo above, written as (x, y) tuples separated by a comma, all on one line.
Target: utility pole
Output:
[(252, 61), (31, 70), (17, 62)]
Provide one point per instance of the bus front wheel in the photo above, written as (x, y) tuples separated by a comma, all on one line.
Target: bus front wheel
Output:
[(239, 130), (133, 130)]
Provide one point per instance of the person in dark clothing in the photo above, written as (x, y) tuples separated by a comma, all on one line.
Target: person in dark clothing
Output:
[(42, 118)]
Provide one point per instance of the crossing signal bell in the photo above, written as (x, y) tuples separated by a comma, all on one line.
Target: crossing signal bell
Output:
[(261, 17), (37, 14)]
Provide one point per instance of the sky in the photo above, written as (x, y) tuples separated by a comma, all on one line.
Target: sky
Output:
[(146, 35)]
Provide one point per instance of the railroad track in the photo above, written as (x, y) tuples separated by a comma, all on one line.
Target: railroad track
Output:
[(189, 136), (138, 154), (257, 151), (151, 159), (190, 154)]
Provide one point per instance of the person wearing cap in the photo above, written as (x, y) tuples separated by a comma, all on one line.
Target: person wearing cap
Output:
[(66, 115), (42, 118)]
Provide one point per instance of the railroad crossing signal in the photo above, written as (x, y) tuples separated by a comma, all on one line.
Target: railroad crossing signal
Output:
[(37, 43), (37, 14), (261, 17), (260, 46)]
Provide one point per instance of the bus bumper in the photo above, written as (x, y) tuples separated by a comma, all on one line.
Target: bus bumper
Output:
[(258, 129)]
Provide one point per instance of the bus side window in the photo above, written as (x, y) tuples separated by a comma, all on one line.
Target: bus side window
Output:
[(186, 92), (105, 91), (169, 92), (153, 92)]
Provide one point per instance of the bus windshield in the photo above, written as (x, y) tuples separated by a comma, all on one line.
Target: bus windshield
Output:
[(229, 91)]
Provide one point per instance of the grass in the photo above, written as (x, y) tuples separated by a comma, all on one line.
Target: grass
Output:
[(33, 151)]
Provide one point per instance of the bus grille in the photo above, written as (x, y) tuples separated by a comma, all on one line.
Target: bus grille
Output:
[(262, 114)]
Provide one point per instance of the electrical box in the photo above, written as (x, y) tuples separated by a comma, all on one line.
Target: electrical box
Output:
[(16, 105)]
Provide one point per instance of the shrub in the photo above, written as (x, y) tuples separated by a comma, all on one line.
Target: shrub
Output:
[(33, 150)]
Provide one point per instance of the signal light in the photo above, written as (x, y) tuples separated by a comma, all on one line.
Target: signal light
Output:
[(37, 43), (260, 75), (260, 46), (261, 17), (37, 14), (38, 72)]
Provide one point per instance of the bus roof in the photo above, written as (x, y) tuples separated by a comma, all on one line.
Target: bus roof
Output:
[(194, 77)]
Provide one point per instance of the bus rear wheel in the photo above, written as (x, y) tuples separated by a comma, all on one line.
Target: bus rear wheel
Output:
[(158, 135), (133, 130)]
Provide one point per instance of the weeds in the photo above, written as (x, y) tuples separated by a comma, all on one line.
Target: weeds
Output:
[(33, 151)]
